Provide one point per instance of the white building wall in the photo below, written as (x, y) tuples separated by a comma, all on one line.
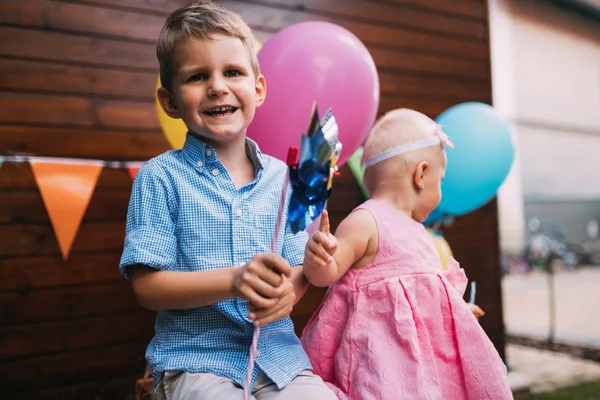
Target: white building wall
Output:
[(546, 83)]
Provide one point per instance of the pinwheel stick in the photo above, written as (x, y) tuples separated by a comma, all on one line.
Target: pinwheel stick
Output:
[(291, 163)]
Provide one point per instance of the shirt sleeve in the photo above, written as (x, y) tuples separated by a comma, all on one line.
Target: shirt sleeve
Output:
[(150, 237)]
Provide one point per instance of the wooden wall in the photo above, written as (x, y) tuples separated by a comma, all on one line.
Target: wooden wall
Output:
[(77, 79)]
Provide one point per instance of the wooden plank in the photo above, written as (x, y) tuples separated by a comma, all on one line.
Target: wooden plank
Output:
[(67, 303), (371, 34), (429, 107), (27, 108), (401, 75), (90, 113), (273, 19), (398, 83), (474, 241), (472, 9), (309, 302), (300, 322), (117, 388), (378, 13), (34, 44), (27, 207), (39, 240), (64, 336), (45, 77), (429, 63), (69, 49), (78, 18), (19, 175), (46, 272), (403, 78), (110, 362), (466, 9), (89, 143)]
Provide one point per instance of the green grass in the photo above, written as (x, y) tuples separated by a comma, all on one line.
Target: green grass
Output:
[(584, 391)]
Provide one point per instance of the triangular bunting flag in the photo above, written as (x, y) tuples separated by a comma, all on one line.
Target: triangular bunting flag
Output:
[(66, 189), (133, 171), (133, 168)]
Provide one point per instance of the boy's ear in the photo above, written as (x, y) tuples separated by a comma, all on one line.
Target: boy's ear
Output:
[(420, 173), (165, 98), (261, 90)]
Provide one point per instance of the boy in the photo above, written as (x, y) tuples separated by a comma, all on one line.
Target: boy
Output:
[(200, 223)]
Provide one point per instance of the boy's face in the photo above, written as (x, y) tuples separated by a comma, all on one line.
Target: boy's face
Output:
[(215, 91)]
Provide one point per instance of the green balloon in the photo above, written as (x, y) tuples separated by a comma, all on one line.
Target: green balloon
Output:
[(358, 170)]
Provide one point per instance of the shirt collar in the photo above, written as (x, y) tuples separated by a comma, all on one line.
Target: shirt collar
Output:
[(198, 153)]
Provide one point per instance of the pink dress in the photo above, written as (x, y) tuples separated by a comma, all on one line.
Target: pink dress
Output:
[(398, 329)]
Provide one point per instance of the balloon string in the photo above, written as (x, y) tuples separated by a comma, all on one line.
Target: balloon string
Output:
[(473, 288)]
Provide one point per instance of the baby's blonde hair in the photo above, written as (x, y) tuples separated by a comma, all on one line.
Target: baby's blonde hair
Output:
[(200, 19), (397, 127)]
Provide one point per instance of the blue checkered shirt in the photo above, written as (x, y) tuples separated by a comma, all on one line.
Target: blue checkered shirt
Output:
[(185, 214)]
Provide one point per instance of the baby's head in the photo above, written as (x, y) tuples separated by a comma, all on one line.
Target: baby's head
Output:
[(209, 72), (404, 155), (200, 19)]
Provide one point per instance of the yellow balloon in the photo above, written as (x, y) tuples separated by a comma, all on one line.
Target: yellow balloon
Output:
[(442, 247), (174, 129)]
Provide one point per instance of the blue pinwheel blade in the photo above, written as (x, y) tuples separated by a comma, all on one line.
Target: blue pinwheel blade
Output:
[(309, 179)]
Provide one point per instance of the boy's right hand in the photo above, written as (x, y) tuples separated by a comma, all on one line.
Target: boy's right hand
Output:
[(321, 246), (260, 280)]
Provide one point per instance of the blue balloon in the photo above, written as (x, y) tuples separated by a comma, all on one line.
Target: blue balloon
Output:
[(481, 159), (435, 216)]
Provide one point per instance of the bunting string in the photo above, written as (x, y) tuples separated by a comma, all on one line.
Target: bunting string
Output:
[(66, 186), (72, 161)]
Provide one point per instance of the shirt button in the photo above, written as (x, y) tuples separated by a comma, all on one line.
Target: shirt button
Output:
[(238, 212), (199, 164), (215, 172), (208, 152)]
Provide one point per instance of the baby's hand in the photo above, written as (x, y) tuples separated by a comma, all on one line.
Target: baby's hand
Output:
[(477, 312), (261, 280), (282, 308), (321, 246)]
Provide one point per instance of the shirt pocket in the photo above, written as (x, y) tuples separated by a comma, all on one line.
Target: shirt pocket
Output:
[(264, 228)]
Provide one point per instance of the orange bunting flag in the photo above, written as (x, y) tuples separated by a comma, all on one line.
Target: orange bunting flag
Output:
[(133, 171), (66, 189), (133, 168)]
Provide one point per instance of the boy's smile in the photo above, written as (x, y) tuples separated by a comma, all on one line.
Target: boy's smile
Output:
[(215, 90), (220, 111)]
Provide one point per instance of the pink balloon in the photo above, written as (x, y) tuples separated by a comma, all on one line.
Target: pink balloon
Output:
[(315, 61)]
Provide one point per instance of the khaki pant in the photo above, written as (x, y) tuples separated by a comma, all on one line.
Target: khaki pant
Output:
[(201, 386)]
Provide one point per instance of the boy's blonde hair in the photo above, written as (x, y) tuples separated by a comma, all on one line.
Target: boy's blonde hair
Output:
[(200, 19)]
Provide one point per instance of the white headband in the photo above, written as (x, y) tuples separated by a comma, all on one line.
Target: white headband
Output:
[(437, 138)]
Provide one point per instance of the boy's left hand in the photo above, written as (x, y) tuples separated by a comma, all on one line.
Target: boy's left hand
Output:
[(282, 308)]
